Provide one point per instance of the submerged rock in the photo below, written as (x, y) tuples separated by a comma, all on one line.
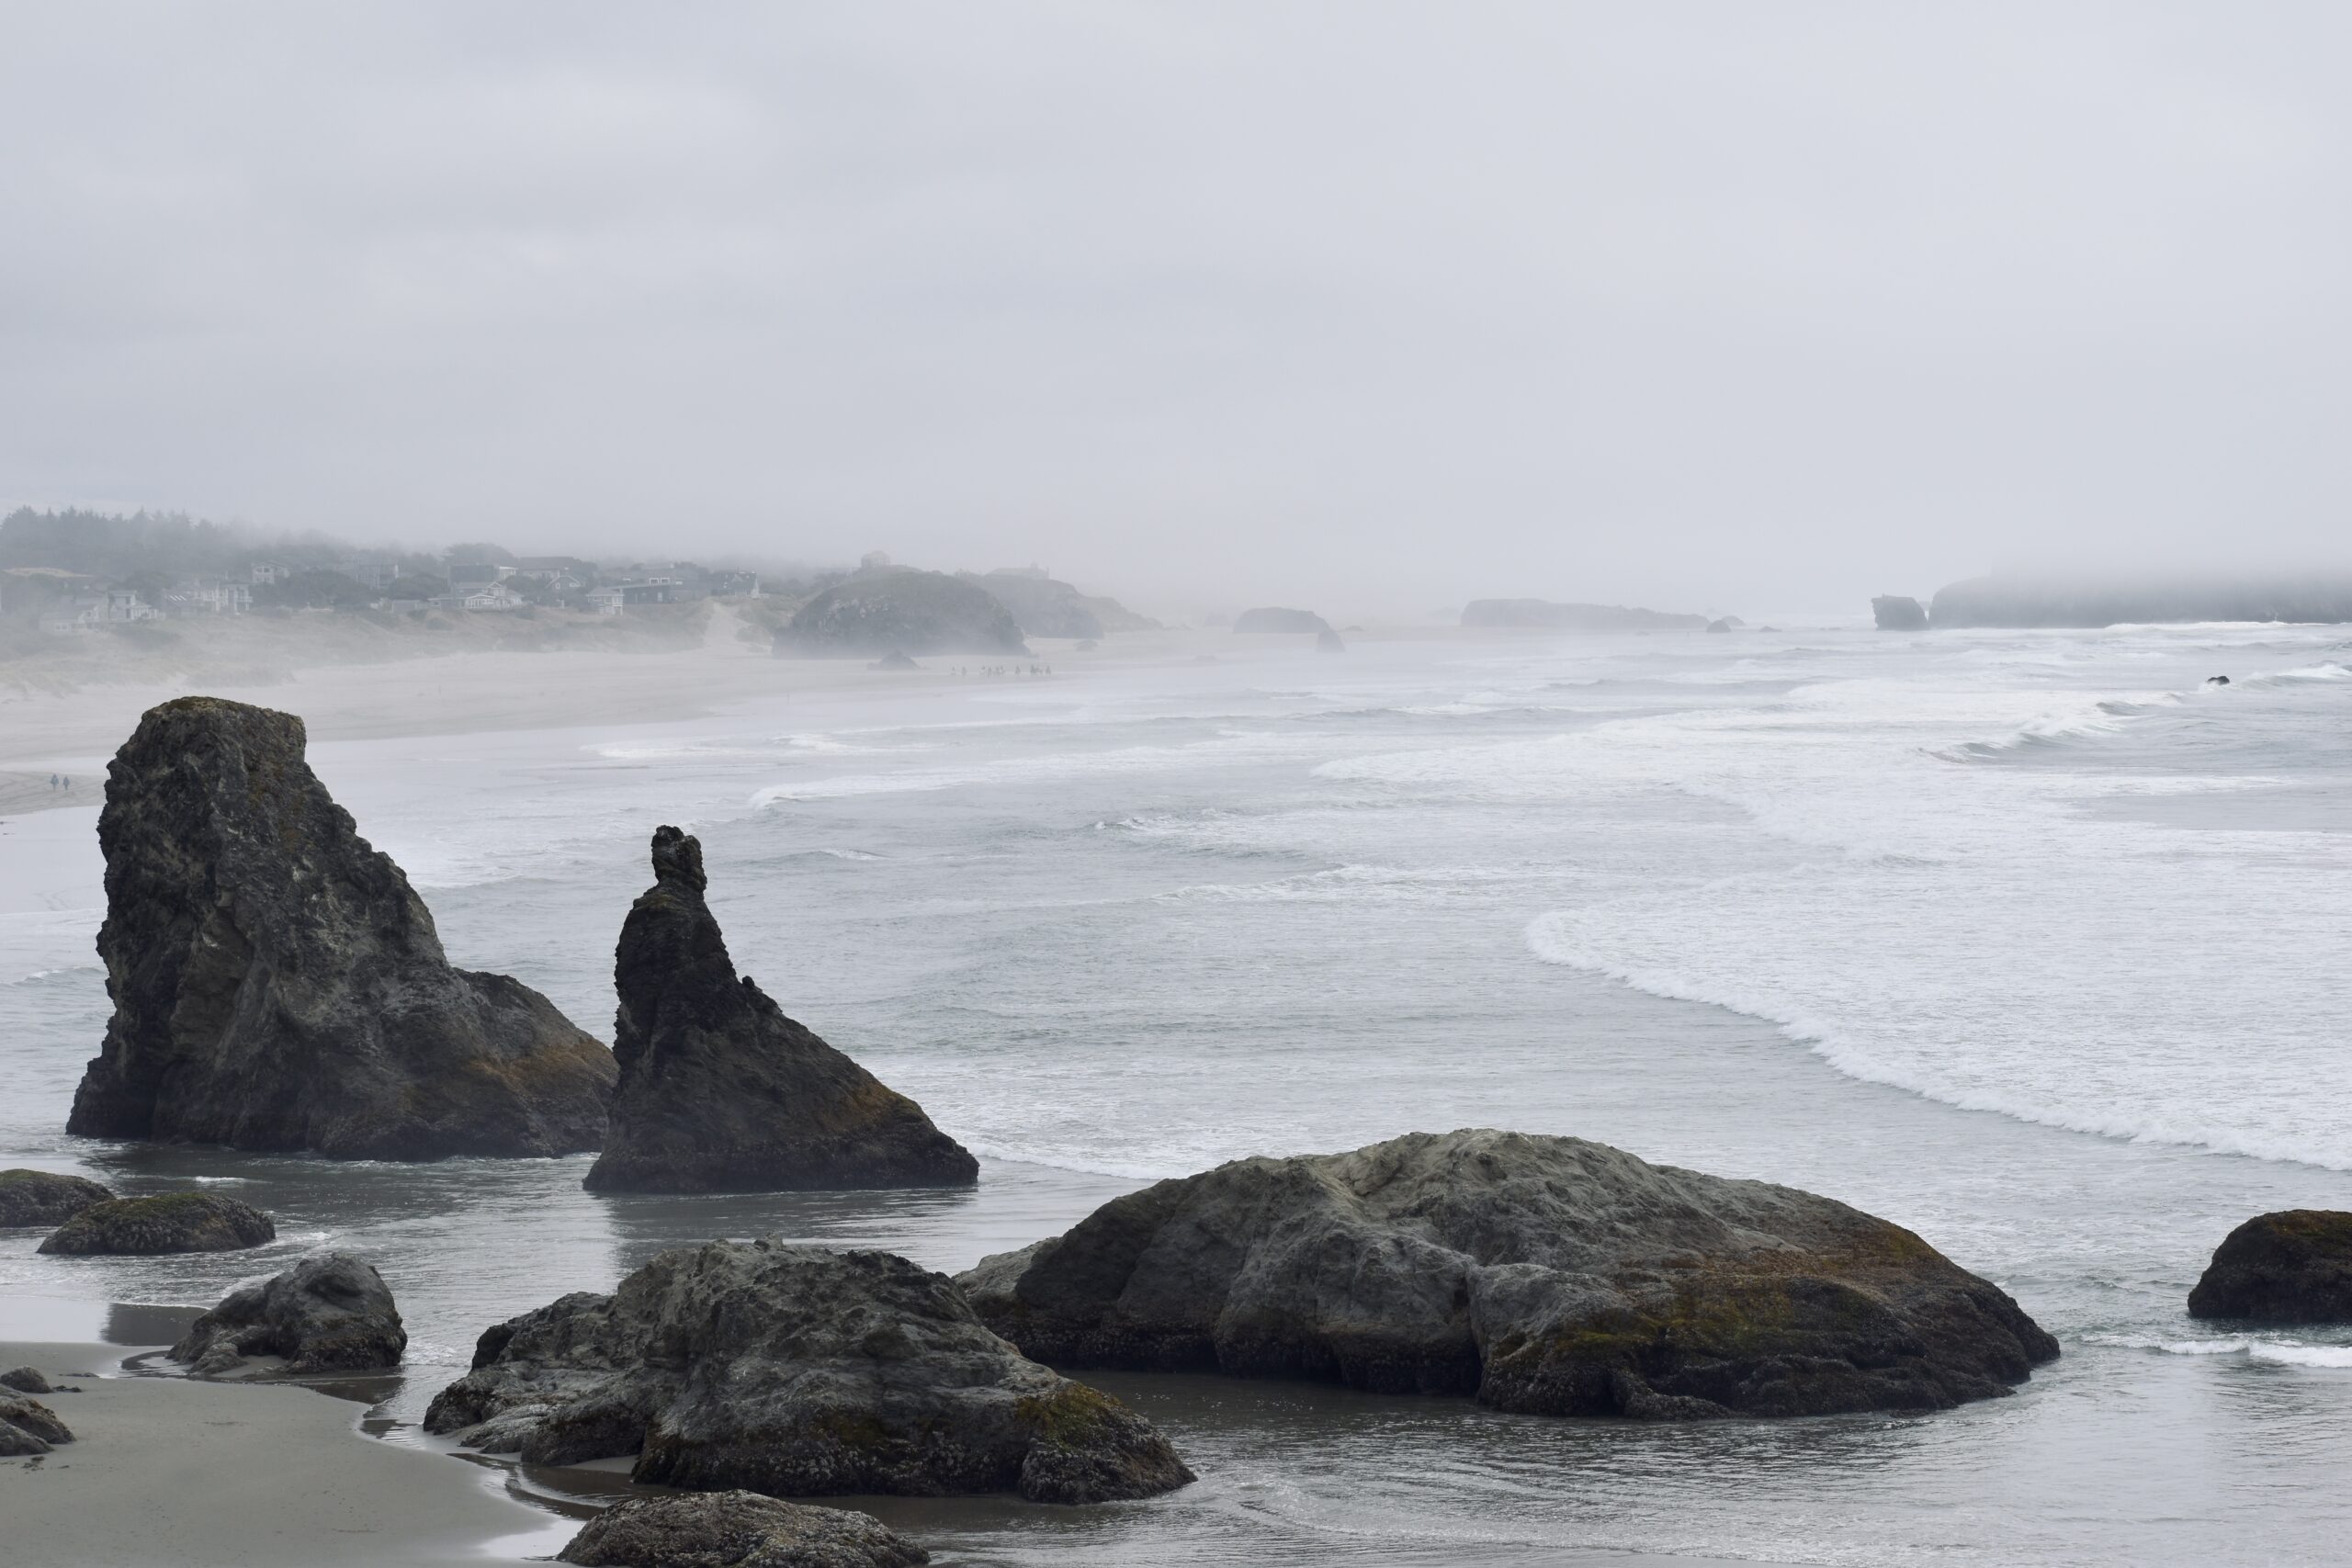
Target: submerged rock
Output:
[(915, 612), (720, 1091), (331, 1313), (736, 1529), (796, 1371), (1894, 612), (1544, 1275), (29, 1427), (45, 1198), (278, 986), (2294, 1266), (170, 1221)]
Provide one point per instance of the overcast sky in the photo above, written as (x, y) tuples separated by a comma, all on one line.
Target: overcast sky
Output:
[(1746, 306)]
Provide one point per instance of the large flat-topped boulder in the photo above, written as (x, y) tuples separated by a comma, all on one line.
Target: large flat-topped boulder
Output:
[(166, 1223), (799, 1372), (722, 1092), (278, 986), (1544, 1275)]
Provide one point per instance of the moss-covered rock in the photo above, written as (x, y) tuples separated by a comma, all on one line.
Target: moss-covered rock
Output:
[(45, 1198), (2294, 1266), (798, 1373), (1543, 1275), (170, 1221)]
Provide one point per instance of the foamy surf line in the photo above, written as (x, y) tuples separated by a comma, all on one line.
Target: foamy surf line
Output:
[(1550, 938), (2275, 1352)]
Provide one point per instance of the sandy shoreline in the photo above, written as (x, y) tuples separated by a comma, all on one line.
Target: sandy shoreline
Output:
[(169, 1474)]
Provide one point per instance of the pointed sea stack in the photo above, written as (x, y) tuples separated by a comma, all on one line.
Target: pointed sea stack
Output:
[(277, 985), (720, 1091)]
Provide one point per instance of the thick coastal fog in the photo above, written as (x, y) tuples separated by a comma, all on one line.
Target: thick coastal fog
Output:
[(1149, 785)]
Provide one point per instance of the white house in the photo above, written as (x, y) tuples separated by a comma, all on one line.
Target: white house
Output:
[(485, 596), (94, 612)]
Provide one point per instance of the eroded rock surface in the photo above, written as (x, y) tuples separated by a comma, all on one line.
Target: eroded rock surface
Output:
[(25, 1380), (29, 1427), (796, 1371), (720, 1091), (736, 1529), (331, 1313), (1544, 1275), (278, 986), (45, 1198), (170, 1221), (2294, 1266)]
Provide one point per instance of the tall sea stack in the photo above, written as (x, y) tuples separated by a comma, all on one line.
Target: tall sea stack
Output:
[(720, 1091), (277, 985)]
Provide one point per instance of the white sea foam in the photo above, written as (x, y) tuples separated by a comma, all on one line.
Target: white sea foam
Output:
[(2276, 1352)]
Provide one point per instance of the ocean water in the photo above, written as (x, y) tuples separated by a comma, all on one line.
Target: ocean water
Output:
[(2034, 942)]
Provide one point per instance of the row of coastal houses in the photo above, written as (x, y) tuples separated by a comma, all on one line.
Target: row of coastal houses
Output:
[(78, 603)]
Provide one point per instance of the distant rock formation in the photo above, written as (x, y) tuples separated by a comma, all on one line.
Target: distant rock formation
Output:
[(278, 986), (29, 1428), (894, 659), (1045, 606), (799, 1372), (1896, 613), (1544, 1275), (720, 1091), (2055, 601), (170, 1221), (1539, 613), (736, 1529), (2294, 1266), (1328, 641), (1725, 624), (45, 1198), (328, 1314), (1272, 619), (915, 612)]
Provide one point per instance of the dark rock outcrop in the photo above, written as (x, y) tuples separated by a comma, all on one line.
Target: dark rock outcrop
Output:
[(1274, 619), (915, 612), (736, 1529), (2294, 1266), (277, 985), (1895, 614), (1328, 641), (720, 1091), (1047, 607), (796, 1371), (1539, 613), (894, 659), (25, 1380), (171, 1222), (1725, 624), (29, 1427), (45, 1198), (1544, 1275), (2020, 600), (328, 1314)]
